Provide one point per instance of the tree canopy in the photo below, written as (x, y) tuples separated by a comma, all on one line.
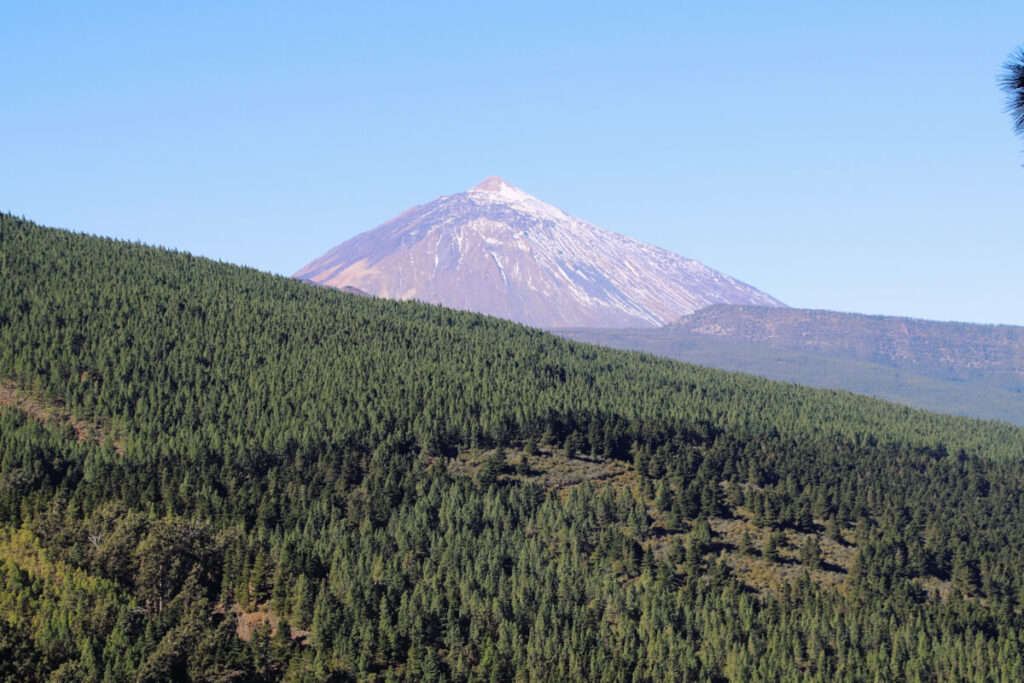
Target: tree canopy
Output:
[(211, 473)]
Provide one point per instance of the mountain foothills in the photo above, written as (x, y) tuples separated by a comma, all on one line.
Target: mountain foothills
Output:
[(498, 250), (209, 473), (960, 368)]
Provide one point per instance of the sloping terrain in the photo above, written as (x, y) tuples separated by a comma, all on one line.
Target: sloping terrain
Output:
[(498, 250), (351, 469)]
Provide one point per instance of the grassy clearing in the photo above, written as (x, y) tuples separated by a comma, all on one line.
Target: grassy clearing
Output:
[(554, 469)]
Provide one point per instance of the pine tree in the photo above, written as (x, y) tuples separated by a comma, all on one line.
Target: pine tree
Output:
[(694, 563), (663, 499), (771, 548), (810, 553), (834, 531), (746, 544), (702, 534), (491, 468)]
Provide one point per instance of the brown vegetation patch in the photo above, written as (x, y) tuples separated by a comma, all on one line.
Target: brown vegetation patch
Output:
[(549, 467), (554, 469), (249, 622), (45, 410)]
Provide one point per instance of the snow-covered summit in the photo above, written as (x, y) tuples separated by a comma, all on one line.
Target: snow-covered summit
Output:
[(495, 189), (499, 250), (499, 186)]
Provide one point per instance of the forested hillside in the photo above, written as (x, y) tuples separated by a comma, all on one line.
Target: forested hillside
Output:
[(211, 473)]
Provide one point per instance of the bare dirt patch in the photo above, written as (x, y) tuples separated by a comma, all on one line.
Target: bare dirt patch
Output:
[(548, 467), (249, 622)]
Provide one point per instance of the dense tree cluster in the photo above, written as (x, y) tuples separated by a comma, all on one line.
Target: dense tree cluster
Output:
[(267, 445)]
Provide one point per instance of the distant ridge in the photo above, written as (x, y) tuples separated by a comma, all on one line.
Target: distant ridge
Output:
[(960, 349), (498, 250), (950, 367)]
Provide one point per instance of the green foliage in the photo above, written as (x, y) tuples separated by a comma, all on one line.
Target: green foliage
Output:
[(492, 466), (281, 447), (810, 553), (771, 547)]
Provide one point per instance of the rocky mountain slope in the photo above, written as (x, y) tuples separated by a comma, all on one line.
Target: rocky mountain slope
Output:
[(498, 250)]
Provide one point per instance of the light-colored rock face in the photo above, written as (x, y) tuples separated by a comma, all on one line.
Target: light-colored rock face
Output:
[(498, 250)]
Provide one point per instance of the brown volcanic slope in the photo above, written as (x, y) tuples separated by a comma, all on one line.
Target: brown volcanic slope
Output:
[(497, 250)]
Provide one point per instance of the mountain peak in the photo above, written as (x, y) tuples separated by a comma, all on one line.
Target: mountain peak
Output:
[(492, 184), (498, 186), (498, 250)]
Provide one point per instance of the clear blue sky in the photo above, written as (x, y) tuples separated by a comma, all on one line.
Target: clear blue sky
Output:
[(854, 159)]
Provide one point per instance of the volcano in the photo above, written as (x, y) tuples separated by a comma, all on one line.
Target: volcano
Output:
[(498, 250)]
